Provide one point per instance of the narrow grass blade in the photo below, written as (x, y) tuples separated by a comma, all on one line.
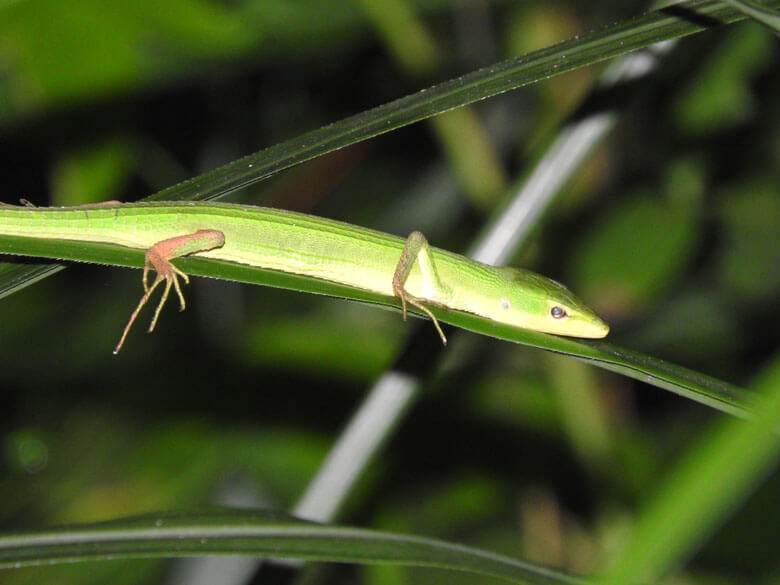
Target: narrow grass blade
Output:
[(671, 22), (690, 384), (262, 534), (758, 12), (15, 276)]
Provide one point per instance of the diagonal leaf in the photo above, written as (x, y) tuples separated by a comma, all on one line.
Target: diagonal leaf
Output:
[(671, 22), (682, 19), (685, 382), (261, 534), (760, 13), (16, 275)]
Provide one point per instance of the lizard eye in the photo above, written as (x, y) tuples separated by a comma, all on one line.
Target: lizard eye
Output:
[(557, 312)]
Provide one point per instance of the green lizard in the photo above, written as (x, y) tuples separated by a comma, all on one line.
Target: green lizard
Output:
[(418, 274)]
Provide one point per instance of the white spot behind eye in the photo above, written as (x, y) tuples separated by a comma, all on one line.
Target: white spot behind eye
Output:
[(505, 304)]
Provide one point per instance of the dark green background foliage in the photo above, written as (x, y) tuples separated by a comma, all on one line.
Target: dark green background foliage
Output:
[(670, 231)]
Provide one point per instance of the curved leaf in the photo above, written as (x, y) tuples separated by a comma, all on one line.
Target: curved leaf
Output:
[(682, 381), (671, 22), (262, 534)]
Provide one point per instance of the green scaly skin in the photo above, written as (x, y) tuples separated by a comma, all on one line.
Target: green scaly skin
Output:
[(322, 249)]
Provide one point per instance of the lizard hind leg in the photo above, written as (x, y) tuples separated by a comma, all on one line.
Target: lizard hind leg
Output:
[(168, 273), (159, 257)]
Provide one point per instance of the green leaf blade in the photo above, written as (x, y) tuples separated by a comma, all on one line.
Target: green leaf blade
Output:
[(258, 533), (684, 19), (682, 381)]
